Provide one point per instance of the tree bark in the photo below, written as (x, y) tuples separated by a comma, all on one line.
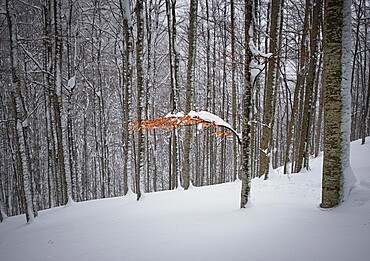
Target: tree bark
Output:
[(189, 86), (233, 88), (127, 76), (269, 89), (140, 94), (247, 102), (337, 179)]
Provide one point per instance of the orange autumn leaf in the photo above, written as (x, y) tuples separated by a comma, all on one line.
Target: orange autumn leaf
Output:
[(220, 133), (168, 123)]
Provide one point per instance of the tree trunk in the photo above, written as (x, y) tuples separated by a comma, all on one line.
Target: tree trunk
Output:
[(337, 179), (57, 100), (365, 116), (174, 67), (247, 102), (140, 94), (189, 86), (269, 89), (127, 75), (233, 88)]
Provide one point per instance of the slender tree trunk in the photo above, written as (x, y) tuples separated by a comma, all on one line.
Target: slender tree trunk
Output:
[(176, 153), (224, 98), (301, 119), (269, 89), (277, 79), (189, 86), (3, 215), (127, 76), (247, 102), (316, 99), (140, 94), (365, 115), (172, 139), (366, 111), (155, 172), (355, 71), (233, 88), (174, 67)]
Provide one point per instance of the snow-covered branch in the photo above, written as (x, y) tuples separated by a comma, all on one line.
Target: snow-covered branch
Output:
[(172, 120)]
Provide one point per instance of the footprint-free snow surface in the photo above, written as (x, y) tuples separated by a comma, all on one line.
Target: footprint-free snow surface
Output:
[(284, 222)]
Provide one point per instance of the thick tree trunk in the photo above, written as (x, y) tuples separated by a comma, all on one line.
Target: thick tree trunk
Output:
[(337, 177)]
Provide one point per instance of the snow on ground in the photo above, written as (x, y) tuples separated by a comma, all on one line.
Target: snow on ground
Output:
[(283, 223)]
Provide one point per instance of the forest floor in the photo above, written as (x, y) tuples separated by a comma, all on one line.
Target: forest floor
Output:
[(284, 222)]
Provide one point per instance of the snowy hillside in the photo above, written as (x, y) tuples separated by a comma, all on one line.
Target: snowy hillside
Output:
[(283, 223)]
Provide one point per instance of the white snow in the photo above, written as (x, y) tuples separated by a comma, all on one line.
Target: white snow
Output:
[(207, 117), (210, 117), (58, 82), (284, 222), (255, 69), (176, 115), (204, 115), (176, 49), (72, 82), (348, 177), (257, 52)]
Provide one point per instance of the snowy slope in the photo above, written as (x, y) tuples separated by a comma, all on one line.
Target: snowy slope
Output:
[(283, 223)]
